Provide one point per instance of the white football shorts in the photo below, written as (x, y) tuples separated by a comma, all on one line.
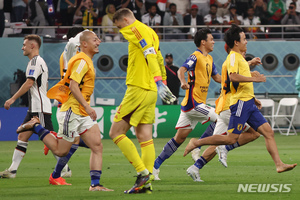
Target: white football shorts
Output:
[(72, 125), (201, 113)]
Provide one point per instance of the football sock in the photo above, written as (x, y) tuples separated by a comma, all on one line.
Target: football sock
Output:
[(40, 131), (168, 150), (18, 155), (209, 131), (148, 154), (95, 177), (144, 172), (62, 161), (130, 152), (232, 146), (66, 168), (82, 144), (200, 162)]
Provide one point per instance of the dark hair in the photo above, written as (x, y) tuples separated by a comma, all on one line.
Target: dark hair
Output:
[(201, 35), (293, 3), (172, 4), (35, 38), (213, 5), (250, 7), (72, 32), (119, 14), (232, 34)]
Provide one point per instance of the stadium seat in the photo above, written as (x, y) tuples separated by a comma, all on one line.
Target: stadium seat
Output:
[(286, 110), (268, 110)]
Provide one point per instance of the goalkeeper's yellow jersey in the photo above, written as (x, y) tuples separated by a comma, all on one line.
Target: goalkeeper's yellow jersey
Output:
[(144, 57)]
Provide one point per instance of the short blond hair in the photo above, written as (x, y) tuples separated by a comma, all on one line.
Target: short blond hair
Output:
[(123, 12)]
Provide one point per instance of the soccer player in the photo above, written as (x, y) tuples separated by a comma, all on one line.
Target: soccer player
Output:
[(61, 169), (242, 102), (76, 117), (223, 111), (39, 104), (144, 79), (200, 68)]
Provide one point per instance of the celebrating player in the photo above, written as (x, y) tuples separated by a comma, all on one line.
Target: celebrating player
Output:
[(200, 68), (76, 117), (242, 102)]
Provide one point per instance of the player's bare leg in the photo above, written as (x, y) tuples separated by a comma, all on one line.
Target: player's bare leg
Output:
[(92, 138), (231, 138), (268, 133)]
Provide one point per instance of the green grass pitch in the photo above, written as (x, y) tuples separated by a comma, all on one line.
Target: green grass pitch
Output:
[(250, 164)]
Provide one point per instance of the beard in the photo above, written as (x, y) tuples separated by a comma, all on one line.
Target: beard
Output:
[(152, 14)]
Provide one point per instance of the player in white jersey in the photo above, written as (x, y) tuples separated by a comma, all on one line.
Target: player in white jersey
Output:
[(39, 104)]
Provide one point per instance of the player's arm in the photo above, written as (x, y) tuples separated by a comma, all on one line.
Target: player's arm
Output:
[(217, 78), (147, 45), (163, 90), (234, 77), (254, 61), (160, 61), (258, 103), (188, 65), (215, 74), (23, 89), (180, 74), (78, 71), (255, 73), (74, 88)]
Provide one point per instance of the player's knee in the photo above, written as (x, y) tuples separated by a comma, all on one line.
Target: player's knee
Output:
[(231, 140), (23, 137), (256, 135), (112, 135), (269, 134), (61, 153), (97, 147), (179, 138)]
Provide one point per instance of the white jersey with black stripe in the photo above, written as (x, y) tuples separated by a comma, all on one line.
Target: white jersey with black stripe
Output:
[(71, 49), (37, 70)]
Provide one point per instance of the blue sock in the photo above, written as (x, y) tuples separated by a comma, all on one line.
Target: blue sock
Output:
[(40, 131), (209, 131), (200, 162), (95, 177), (168, 150), (62, 161), (232, 146), (82, 144)]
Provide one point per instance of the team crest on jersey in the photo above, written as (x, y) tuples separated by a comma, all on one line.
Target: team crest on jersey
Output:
[(143, 43), (31, 72), (240, 127)]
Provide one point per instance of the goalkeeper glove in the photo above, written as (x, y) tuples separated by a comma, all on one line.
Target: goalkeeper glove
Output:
[(164, 92)]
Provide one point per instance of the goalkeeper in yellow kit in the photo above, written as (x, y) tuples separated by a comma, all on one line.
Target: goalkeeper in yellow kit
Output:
[(145, 76)]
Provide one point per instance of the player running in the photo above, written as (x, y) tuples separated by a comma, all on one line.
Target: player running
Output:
[(242, 103)]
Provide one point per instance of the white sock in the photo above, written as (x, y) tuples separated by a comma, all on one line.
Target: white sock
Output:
[(144, 172), (18, 155)]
